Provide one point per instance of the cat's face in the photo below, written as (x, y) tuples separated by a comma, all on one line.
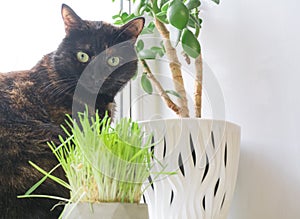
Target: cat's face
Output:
[(96, 55)]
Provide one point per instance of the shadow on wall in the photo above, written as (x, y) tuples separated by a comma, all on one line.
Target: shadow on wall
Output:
[(264, 190)]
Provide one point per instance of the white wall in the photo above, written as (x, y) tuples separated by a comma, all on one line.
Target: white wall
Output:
[(33, 28), (253, 48)]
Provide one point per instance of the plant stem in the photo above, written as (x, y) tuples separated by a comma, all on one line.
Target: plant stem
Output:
[(160, 89), (198, 77), (175, 67), (198, 85)]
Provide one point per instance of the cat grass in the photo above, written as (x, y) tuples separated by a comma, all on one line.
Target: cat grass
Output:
[(102, 163)]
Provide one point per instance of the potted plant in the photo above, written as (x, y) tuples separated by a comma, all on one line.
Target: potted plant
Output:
[(105, 166), (204, 152)]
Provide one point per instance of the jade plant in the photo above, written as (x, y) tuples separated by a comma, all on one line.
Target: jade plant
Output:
[(103, 163), (179, 18)]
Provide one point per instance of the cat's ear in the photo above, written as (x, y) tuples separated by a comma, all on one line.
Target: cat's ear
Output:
[(71, 19), (134, 27)]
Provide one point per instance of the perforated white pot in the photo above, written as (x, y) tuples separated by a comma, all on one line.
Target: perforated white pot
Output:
[(205, 155)]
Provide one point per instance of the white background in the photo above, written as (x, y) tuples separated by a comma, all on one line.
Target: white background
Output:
[(253, 49), (32, 28)]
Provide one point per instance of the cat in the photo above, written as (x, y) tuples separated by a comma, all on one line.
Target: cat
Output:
[(33, 105)]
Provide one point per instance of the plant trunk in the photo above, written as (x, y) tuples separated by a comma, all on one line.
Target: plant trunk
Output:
[(175, 67), (198, 85), (160, 89)]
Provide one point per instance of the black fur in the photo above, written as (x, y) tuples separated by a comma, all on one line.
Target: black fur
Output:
[(33, 104)]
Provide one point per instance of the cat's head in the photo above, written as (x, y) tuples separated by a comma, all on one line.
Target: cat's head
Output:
[(96, 55)]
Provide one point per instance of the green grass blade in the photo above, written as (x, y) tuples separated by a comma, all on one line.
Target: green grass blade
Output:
[(35, 186), (44, 196), (47, 174)]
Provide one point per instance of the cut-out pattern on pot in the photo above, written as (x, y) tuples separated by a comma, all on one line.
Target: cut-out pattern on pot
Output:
[(205, 155)]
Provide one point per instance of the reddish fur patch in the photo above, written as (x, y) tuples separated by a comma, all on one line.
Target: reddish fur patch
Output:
[(18, 95)]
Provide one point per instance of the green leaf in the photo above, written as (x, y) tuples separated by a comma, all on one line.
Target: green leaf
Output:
[(140, 45), (118, 22), (193, 4), (115, 16), (146, 84), (163, 19), (135, 75), (191, 23), (148, 9), (149, 29), (158, 50), (144, 7), (138, 7), (151, 25), (178, 14), (175, 36), (190, 44), (146, 31), (172, 92), (216, 1), (162, 46), (194, 21), (124, 15), (130, 17), (147, 54), (163, 2), (165, 7), (199, 21), (162, 13)]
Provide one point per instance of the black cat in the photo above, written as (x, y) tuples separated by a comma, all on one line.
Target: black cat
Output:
[(33, 104)]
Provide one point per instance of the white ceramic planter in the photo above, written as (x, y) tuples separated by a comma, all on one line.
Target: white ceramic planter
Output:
[(205, 154), (105, 211)]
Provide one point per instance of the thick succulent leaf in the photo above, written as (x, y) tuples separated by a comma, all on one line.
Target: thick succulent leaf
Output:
[(174, 93), (191, 4), (216, 1), (146, 84), (163, 19), (165, 7), (190, 44), (115, 16), (140, 45), (146, 54), (149, 29), (178, 14), (175, 35), (162, 46), (158, 50)]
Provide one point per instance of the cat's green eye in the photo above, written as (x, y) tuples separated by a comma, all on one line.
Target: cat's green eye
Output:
[(113, 61), (83, 57)]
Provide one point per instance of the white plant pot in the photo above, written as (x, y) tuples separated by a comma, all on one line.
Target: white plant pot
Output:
[(205, 155), (112, 210)]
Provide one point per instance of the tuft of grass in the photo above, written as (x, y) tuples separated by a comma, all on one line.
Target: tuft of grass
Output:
[(102, 163)]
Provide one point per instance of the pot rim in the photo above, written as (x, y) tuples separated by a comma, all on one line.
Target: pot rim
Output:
[(189, 119)]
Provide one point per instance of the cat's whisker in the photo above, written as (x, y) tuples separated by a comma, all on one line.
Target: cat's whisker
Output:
[(56, 93), (59, 83)]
